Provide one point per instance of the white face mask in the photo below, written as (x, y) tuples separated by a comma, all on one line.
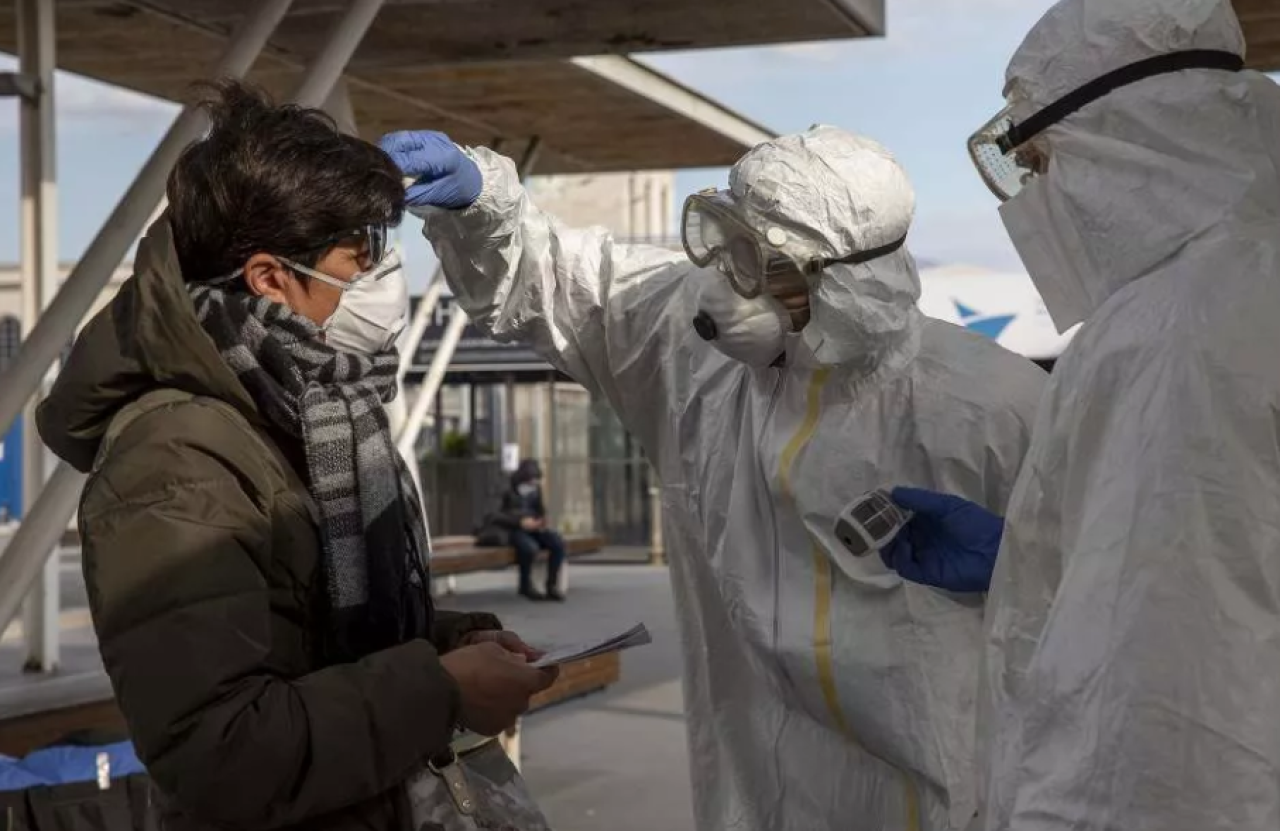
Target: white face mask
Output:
[(372, 311), (751, 331), (1053, 253)]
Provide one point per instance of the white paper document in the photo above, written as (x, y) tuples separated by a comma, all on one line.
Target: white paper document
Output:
[(637, 635)]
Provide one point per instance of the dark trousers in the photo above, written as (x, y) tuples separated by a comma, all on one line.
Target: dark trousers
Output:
[(527, 545)]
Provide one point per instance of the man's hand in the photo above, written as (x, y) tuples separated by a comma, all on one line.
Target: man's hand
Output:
[(444, 176), (530, 523), (509, 641), (950, 543), (495, 685)]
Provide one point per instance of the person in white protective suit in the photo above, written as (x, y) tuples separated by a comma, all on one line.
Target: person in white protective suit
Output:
[(1133, 660), (774, 372)]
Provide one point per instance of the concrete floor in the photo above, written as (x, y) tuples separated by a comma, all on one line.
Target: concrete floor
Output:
[(598, 762)]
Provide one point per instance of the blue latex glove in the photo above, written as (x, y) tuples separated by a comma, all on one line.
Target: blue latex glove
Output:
[(949, 544), (444, 176)]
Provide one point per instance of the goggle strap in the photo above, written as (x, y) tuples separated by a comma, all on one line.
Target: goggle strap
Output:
[(871, 254), (315, 275), (1072, 102)]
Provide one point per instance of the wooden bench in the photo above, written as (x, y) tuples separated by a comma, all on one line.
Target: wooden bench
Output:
[(577, 678), (19, 735), (454, 556)]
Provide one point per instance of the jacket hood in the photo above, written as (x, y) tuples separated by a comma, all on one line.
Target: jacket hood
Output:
[(147, 338)]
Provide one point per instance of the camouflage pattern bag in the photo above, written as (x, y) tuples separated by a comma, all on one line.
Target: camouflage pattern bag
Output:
[(474, 788)]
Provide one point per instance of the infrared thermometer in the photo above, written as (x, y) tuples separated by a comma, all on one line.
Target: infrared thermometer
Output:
[(868, 524)]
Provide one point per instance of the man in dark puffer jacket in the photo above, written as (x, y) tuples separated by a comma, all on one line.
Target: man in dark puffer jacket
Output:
[(253, 547)]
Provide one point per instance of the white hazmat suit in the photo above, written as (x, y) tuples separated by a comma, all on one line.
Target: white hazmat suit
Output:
[(1134, 651), (815, 700)]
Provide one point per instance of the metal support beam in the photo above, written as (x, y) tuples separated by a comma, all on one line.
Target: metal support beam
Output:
[(532, 152), (408, 437), (39, 269), (421, 320), (344, 38), (24, 558), (654, 86), (552, 474), (46, 340), (657, 550), (338, 106)]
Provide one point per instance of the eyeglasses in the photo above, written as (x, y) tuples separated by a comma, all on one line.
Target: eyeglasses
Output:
[(373, 235)]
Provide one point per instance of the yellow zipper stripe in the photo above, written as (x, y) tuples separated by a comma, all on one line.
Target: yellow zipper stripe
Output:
[(823, 586), (821, 563)]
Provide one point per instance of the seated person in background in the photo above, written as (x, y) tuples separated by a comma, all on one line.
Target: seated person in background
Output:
[(521, 523)]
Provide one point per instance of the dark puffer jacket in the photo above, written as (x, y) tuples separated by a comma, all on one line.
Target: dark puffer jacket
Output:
[(202, 557)]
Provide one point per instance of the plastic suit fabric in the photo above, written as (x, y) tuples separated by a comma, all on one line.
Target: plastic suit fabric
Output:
[(813, 700), (1134, 653)]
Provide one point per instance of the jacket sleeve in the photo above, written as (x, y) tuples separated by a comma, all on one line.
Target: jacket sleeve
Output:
[(616, 318), (449, 628), (176, 547), (510, 512)]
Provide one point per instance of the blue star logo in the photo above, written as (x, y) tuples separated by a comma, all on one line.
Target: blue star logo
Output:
[(992, 326)]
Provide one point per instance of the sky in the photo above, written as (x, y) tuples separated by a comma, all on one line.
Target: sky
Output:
[(921, 91)]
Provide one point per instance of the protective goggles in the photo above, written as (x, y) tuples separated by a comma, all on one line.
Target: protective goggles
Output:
[(375, 236), (713, 232), (1007, 154), (389, 264)]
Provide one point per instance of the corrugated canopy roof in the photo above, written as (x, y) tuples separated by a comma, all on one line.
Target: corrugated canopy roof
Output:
[(477, 69)]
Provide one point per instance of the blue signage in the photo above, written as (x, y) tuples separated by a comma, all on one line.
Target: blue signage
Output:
[(11, 474), (991, 326)]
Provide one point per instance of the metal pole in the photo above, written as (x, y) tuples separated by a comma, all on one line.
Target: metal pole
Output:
[(553, 491), (421, 319), (39, 266), (338, 106), (46, 340), (39, 532), (344, 39), (657, 551), (510, 426), (56, 506), (431, 384)]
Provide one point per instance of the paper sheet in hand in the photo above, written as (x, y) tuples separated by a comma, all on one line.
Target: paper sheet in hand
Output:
[(637, 635)]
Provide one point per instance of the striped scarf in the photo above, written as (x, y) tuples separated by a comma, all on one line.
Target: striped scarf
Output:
[(372, 528)]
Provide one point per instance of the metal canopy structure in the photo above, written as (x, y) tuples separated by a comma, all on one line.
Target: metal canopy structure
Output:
[(477, 70), (1261, 22)]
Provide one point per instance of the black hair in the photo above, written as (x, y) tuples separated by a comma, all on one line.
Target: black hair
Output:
[(275, 179), (528, 471)]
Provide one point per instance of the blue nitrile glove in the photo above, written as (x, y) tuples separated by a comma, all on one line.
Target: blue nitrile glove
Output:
[(949, 544), (444, 176)]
